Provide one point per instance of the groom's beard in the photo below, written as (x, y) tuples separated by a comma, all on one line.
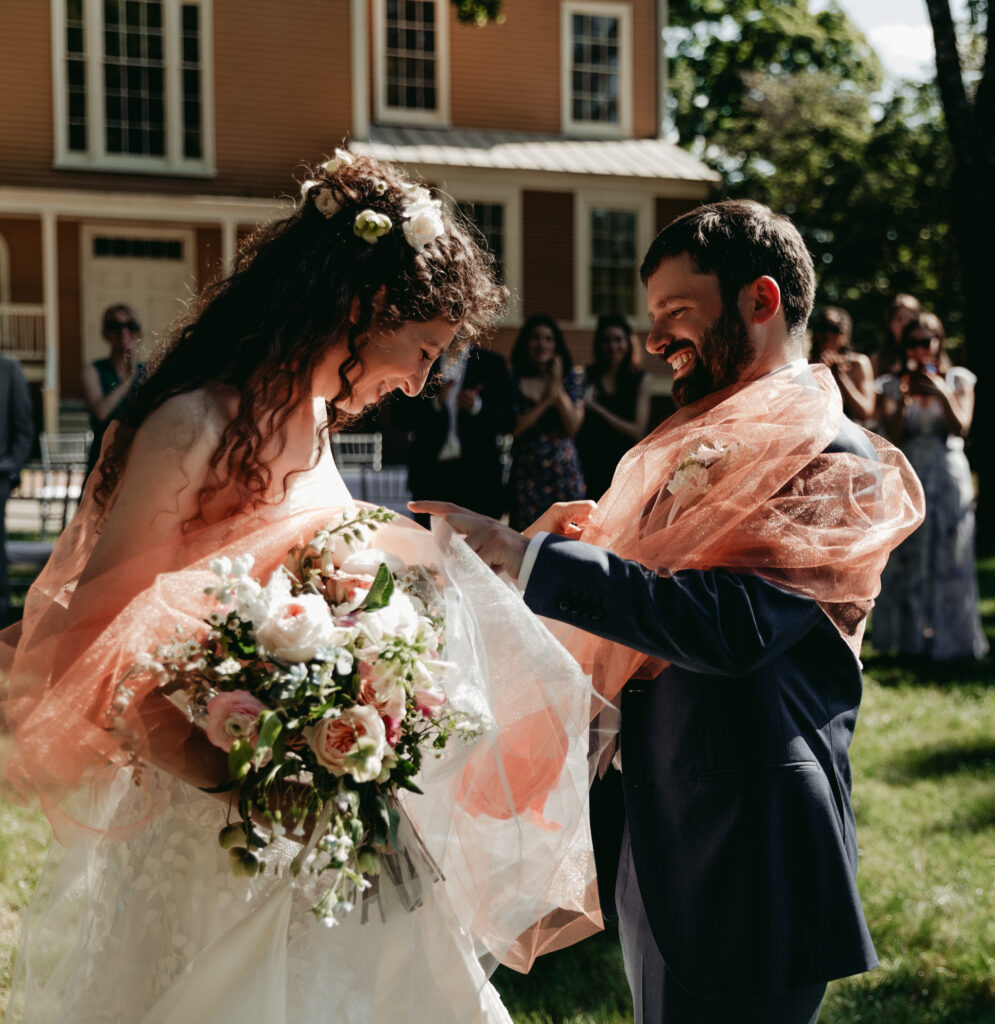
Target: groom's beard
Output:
[(723, 354)]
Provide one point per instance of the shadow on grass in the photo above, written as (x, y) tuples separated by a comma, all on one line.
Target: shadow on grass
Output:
[(583, 982), (973, 757), (906, 669), (912, 992)]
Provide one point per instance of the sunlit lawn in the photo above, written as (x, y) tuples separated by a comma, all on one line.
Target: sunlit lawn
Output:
[(924, 794)]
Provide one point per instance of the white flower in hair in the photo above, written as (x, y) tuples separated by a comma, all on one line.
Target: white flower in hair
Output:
[(370, 225), (340, 158), (326, 202), (423, 219)]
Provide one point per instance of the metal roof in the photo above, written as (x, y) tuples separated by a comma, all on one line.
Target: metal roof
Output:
[(526, 151)]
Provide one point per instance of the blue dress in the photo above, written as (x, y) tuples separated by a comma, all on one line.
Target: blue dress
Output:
[(929, 589)]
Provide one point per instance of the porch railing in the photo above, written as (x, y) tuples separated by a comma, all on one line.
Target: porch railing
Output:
[(22, 331)]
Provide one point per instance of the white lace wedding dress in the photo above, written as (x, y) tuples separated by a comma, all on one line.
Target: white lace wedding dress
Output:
[(155, 929)]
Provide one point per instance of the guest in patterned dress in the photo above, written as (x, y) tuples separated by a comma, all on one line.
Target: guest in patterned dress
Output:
[(928, 604), (108, 383), (549, 395), (616, 400)]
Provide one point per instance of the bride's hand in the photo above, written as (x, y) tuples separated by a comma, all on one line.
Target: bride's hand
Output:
[(567, 518), (501, 547)]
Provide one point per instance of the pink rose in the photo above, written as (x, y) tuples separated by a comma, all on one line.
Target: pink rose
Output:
[(354, 743), (232, 716)]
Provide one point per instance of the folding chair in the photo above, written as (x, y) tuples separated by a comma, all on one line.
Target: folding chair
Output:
[(63, 459), (360, 451)]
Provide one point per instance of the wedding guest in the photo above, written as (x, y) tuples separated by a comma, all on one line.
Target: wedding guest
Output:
[(723, 620), (888, 358), (549, 401), (832, 329), (225, 455), (928, 605), (616, 403), (17, 435), (108, 382), (454, 427)]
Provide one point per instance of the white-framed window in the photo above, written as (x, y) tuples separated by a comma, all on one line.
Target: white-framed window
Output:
[(133, 85), (496, 211), (489, 220), (596, 49), (613, 232), (411, 44)]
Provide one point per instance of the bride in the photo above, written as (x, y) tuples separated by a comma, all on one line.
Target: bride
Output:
[(225, 451)]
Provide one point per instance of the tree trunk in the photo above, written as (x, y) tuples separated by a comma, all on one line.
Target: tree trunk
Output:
[(971, 127)]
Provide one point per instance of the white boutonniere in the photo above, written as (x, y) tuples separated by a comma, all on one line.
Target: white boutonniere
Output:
[(691, 480)]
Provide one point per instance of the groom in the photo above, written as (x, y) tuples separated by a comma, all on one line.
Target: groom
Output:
[(723, 830)]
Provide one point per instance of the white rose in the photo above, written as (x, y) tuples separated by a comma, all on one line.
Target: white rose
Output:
[(423, 225), (298, 628), (397, 618), (366, 563), (340, 158)]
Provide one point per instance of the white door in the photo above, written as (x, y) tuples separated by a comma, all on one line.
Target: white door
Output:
[(153, 270)]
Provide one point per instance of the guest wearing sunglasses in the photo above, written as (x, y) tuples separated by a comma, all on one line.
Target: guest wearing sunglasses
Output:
[(832, 328), (107, 383)]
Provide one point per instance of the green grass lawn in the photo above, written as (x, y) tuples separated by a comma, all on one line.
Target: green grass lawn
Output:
[(924, 794)]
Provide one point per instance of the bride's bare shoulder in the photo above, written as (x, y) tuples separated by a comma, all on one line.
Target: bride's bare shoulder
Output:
[(192, 420)]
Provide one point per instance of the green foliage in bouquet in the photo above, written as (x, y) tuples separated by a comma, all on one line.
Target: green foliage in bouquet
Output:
[(327, 687)]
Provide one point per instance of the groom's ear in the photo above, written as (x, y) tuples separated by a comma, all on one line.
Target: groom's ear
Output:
[(762, 300)]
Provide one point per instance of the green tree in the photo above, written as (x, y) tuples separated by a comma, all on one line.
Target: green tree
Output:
[(966, 82), (786, 103)]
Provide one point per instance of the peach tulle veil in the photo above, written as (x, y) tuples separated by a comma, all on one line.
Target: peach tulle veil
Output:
[(741, 480), (505, 819)]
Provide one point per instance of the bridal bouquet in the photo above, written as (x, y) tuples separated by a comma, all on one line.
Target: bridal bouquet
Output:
[(326, 686)]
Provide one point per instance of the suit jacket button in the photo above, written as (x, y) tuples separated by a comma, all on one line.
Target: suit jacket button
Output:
[(564, 606)]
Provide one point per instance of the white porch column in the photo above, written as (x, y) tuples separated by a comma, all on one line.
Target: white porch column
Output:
[(50, 296), (360, 70), (229, 244)]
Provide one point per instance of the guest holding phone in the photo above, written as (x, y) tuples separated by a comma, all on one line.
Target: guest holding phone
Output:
[(108, 383), (928, 604)]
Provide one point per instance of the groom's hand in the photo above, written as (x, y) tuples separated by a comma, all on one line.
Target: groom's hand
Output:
[(567, 518), (501, 547)]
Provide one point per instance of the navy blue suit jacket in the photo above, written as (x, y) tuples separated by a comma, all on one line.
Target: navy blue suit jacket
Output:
[(476, 481), (735, 778)]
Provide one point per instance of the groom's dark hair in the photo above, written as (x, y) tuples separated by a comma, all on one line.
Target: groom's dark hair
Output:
[(739, 241)]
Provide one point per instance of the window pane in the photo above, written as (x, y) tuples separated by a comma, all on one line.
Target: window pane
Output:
[(488, 219), (595, 72), (134, 77), (192, 79), (130, 52), (411, 62), (613, 261)]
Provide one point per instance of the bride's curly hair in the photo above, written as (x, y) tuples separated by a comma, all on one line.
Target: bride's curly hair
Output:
[(300, 285)]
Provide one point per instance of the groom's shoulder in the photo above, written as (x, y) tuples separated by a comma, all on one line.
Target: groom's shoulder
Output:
[(852, 440)]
